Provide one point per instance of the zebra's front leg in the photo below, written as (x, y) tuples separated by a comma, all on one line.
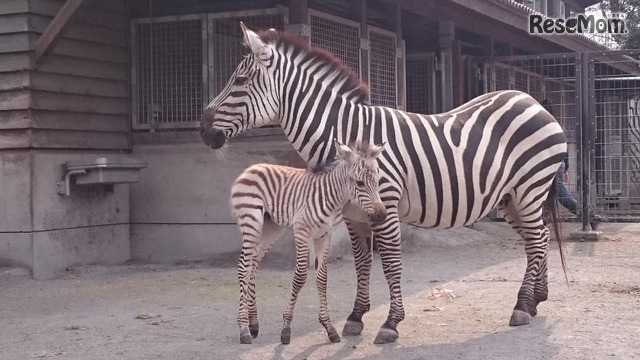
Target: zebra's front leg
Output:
[(300, 277), (321, 249), (360, 234), (387, 237)]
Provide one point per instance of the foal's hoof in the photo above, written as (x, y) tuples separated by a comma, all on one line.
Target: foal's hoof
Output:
[(254, 331), (245, 337), (285, 336), (334, 337), (520, 317), (352, 328), (386, 336)]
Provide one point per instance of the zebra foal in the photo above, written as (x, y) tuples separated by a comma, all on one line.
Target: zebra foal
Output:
[(266, 199)]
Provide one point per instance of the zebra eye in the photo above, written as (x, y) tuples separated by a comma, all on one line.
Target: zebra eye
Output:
[(241, 80), (359, 183)]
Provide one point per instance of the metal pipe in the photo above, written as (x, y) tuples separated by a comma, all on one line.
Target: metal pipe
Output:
[(585, 137), (67, 180)]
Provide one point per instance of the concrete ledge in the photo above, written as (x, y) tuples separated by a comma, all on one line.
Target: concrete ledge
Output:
[(581, 235)]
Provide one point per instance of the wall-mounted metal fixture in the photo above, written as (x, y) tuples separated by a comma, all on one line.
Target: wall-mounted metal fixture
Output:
[(101, 171)]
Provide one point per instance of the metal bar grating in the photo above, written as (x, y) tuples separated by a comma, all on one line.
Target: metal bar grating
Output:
[(227, 48), (616, 92), (382, 68), (339, 36), (168, 67), (418, 85)]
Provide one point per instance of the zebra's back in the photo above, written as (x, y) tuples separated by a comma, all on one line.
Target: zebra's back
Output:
[(270, 188), (500, 143)]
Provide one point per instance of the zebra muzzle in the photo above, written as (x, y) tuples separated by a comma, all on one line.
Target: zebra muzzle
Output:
[(213, 138), (379, 214)]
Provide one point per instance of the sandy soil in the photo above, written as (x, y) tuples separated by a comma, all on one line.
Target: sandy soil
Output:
[(189, 311)]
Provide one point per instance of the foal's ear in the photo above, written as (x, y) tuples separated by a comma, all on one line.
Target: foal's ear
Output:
[(376, 150), (252, 41), (345, 152)]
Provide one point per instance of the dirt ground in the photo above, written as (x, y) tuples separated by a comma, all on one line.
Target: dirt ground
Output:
[(189, 311)]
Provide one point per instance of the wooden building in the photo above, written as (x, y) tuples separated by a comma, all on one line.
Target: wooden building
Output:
[(128, 80)]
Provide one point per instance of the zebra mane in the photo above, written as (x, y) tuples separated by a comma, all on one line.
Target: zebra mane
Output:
[(362, 148), (300, 46)]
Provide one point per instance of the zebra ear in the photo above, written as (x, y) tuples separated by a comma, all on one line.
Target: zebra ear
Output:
[(345, 152), (253, 42), (376, 150)]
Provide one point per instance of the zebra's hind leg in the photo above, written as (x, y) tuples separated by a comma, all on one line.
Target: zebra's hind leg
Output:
[(271, 232), (321, 249), (302, 236), (360, 234), (527, 222), (250, 223)]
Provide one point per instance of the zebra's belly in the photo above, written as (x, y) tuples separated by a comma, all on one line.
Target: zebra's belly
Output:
[(444, 214)]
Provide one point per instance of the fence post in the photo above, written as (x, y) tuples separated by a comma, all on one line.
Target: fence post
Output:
[(585, 140)]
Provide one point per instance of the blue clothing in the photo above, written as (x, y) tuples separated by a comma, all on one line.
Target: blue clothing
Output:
[(564, 195)]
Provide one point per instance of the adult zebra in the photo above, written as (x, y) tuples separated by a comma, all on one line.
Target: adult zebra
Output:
[(500, 149)]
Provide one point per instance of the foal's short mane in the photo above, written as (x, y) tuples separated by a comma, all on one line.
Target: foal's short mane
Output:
[(299, 45), (362, 148)]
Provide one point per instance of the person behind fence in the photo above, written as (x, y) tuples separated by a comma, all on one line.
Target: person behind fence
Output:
[(562, 178), (564, 195)]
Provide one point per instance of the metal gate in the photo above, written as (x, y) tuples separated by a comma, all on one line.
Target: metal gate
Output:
[(596, 98), (614, 92)]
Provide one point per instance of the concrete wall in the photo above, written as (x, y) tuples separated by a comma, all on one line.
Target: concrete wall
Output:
[(15, 209), (180, 208), (48, 232)]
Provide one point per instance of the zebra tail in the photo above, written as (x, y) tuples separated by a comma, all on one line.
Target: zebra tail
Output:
[(552, 210)]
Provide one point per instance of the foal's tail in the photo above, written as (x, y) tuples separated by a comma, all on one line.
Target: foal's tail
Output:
[(551, 206)]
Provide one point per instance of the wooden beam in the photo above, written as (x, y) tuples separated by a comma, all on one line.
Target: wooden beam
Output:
[(395, 14), (457, 73), (56, 28), (359, 11), (298, 11), (487, 46)]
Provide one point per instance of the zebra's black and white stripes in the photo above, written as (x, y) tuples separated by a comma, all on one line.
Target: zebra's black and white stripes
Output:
[(444, 170), (267, 198)]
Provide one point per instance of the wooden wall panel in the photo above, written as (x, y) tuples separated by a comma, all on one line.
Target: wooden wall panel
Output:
[(80, 90)]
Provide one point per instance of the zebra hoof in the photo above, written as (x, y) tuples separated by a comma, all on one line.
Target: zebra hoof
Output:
[(386, 336), (245, 337), (334, 337), (254, 331), (285, 336), (520, 317), (352, 328), (533, 311)]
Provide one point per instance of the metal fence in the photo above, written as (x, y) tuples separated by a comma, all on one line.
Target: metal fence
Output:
[(179, 62), (614, 83), (422, 80), (166, 72), (596, 98)]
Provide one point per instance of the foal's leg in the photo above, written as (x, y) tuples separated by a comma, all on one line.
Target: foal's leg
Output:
[(250, 223), (360, 234), (271, 232), (321, 249), (302, 236)]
